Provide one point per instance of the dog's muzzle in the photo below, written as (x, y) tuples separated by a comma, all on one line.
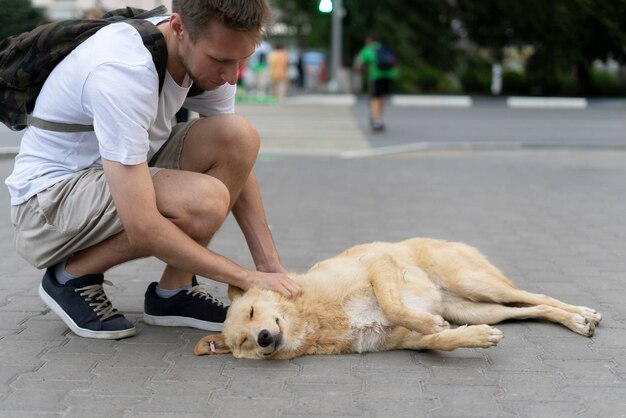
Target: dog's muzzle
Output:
[(266, 339)]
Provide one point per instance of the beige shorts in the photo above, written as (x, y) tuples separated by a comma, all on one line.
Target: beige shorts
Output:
[(78, 212)]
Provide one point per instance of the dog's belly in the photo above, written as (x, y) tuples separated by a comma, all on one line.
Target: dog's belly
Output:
[(369, 328)]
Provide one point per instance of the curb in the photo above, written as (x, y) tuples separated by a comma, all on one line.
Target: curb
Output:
[(427, 146), (546, 102), (409, 100)]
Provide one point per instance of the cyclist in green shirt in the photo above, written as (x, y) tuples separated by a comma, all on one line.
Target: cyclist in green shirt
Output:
[(379, 79)]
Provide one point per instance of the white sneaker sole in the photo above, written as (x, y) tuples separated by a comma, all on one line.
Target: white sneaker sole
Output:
[(182, 321), (83, 332)]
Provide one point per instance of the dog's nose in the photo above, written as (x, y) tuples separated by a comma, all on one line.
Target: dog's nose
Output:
[(265, 338)]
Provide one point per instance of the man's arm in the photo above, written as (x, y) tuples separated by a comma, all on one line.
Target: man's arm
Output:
[(250, 215), (135, 200)]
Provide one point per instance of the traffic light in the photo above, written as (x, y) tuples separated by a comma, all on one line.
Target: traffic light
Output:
[(326, 6)]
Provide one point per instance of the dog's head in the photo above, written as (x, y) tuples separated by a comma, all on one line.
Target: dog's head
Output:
[(256, 326)]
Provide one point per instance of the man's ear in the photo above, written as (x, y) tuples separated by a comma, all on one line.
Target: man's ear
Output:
[(211, 344), (234, 293)]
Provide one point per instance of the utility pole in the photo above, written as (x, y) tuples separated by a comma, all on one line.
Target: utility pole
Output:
[(336, 37), (336, 7)]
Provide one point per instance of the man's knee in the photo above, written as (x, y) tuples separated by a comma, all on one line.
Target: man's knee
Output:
[(228, 137), (204, 208), (239, 138)]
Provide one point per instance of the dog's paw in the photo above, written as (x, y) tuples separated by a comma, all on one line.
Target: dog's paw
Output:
[(426, 323), (495, 337), (484, 336), (583, 325), (591, 315), (439, 324)]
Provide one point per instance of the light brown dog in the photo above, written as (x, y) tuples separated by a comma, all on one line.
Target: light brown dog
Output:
[(384, 296)]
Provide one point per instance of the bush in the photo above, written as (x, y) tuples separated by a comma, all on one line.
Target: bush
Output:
[(515, 83), (475, 77), (554, 84), (18, 16), (424, 79), (607, 85)]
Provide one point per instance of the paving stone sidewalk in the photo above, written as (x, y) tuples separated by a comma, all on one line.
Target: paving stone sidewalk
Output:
[(552, 220)]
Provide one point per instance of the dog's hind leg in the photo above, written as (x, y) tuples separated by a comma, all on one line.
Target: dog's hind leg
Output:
[(482, 282), (468, 312), (473, 336), (484, 289), (387, 280), (465, 272)]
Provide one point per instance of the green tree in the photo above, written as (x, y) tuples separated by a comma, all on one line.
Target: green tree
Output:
[(567, 35), (492, 24), (312, 27), (419, 32), (571, 34), (18, 16)]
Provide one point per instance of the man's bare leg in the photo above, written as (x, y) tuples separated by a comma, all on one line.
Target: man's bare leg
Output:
[(377, 105), (195, 219)]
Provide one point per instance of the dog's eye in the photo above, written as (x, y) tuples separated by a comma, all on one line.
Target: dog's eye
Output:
[(251, 312)]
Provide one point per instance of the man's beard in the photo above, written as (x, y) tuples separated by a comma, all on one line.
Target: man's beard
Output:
[(195, 80)]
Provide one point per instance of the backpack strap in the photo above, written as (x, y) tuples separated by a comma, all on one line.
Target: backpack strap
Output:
[(31, 120), (154, 42), (134, 13)]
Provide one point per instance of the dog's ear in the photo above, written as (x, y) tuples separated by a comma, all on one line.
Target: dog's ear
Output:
[(211, 344), (234, 293)]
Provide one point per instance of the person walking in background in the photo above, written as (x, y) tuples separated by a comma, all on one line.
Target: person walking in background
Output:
[(279, 77), (381, 70)]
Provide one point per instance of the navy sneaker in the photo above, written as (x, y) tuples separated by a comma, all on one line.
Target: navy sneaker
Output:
[(194, 308), (84, 307)]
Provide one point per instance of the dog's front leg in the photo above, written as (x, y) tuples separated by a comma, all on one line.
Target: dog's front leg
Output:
[(473, 336), (387, 279), (421, 322)]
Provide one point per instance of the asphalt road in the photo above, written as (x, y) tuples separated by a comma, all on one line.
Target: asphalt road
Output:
[(494, 125)]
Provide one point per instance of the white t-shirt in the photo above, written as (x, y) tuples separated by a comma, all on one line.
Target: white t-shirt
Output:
[(109, 81)]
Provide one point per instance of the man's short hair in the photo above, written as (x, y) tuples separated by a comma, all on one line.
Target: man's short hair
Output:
[(248, 16)]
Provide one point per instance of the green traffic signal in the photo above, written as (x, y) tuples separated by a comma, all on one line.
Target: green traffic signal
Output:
[(326, 6)]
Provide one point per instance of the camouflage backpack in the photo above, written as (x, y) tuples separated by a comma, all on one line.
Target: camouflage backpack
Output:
[(26, 60)]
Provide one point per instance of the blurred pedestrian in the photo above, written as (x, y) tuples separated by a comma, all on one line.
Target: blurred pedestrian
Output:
[(380, 65), (279, 77), (300, 68), (258, 65)]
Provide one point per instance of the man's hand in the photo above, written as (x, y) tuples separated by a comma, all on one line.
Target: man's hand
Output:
[(278, 282)]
